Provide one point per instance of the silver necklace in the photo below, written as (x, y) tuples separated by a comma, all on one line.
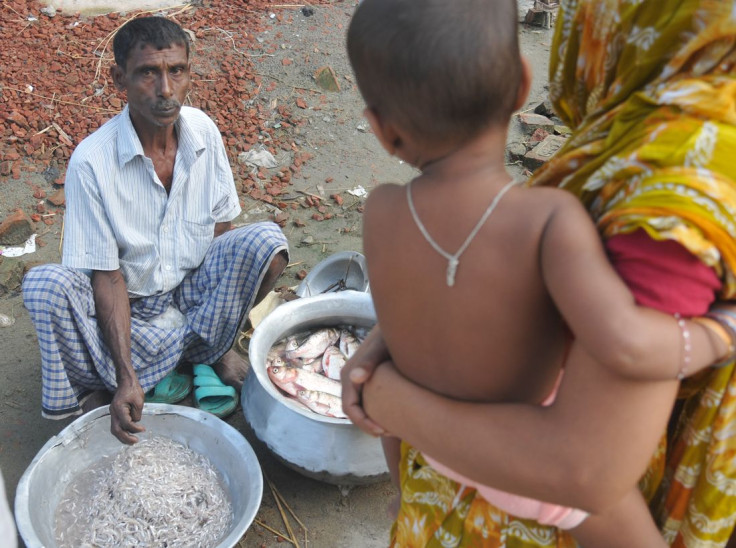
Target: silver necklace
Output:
[(454, 260)]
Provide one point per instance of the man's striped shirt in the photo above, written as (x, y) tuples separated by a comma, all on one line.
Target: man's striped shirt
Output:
[(120, 216)]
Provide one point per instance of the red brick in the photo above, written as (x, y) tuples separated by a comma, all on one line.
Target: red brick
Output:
[(16, 228)]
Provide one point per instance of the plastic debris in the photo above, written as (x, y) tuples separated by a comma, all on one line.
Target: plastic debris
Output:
[(6, 321), (358, 191), (257, 157), (17, 251)]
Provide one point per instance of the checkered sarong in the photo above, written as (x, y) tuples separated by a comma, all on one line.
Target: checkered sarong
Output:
[(214, 299)]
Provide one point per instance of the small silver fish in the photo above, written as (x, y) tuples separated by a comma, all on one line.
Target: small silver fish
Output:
[(315, 345), (333, 361), (280, 377), (277, 351), (348, 343), (291, 344), (315, 365), (276, 361), (322, 403), (291, 379)]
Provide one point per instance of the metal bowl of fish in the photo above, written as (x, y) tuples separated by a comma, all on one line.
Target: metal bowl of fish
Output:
[(191, 480), (291, 397)]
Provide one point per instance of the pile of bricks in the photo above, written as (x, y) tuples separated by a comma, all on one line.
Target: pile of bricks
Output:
[(55, 87)]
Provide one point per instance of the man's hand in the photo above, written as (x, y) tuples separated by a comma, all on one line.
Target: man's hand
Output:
[(125, 412), (356, 372)]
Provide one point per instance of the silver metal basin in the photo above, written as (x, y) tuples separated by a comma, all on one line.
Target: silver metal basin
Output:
[(324, 448), (88, 439), (338, 272)]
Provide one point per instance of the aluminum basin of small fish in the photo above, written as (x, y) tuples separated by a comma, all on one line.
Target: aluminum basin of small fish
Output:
[(88, 440), (327, 448)]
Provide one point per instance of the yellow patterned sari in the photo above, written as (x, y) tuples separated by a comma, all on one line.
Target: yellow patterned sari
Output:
[(649, 88)]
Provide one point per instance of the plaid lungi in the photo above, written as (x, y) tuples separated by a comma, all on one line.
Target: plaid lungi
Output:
[(214, 299)]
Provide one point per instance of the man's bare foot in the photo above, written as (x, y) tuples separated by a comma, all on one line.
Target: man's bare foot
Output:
[(232, 369), (95, 399)]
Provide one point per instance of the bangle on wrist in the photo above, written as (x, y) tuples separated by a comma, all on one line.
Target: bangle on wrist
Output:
[(686, 347), (726, 320)]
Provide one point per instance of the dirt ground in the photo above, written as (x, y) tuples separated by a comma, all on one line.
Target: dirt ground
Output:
[(291, 43)]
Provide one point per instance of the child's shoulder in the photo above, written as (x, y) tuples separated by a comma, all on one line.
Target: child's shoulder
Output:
[(384, 198), (382, 210), (554, 200), (387, 190)]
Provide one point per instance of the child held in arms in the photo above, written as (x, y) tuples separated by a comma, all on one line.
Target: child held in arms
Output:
[(469, 268)]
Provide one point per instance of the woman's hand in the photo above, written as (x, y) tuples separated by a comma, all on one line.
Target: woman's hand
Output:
[(720, 321), (356, 373), (381, 392)]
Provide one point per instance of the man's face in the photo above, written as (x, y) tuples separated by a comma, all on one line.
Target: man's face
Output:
[(156, 82)]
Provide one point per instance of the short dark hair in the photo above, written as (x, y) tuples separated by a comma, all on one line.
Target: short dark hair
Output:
[(441, 69), (158, 32)]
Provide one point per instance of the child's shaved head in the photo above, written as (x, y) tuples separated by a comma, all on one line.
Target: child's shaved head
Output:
[(441, 69)]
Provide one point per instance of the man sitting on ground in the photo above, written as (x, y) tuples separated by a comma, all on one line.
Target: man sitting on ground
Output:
[(150, 200)]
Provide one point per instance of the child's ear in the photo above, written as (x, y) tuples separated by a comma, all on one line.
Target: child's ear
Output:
[(383, 130), (525, 84)]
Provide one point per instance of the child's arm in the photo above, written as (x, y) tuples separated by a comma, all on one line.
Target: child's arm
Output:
[(634, 341), (628, 524)]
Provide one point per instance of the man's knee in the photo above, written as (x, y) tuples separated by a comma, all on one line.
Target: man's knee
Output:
[(278, 264), (47, 284), (265, 234), (257, 242), (42, 278), (274, 270)]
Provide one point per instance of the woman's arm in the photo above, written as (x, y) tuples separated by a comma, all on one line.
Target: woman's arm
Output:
[(600, 310), (358, 369), (585, 451)]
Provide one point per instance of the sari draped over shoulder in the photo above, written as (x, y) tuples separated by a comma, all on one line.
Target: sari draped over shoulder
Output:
[(649, 90)]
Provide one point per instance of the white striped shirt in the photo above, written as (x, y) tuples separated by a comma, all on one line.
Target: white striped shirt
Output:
[(119, 215)]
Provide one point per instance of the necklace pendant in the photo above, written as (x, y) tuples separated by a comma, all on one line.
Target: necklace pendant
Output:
[(451, 269)]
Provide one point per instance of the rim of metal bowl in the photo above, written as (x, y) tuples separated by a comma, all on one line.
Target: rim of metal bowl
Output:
[(240, 524), (334, 304), (321, 278)]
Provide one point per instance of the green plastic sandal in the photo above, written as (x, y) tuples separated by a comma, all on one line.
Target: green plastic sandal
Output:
[(173, 388), (211, 394)]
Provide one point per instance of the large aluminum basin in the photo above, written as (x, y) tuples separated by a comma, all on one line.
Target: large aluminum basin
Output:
[(88, 439)]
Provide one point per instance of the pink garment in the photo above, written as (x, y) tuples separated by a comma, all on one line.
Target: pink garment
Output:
[(516, 505)]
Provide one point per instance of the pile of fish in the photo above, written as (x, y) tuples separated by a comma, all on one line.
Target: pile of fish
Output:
[(307, 367), (154, 493)]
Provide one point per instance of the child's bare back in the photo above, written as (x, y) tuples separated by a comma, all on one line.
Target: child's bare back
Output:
[(498, 310)]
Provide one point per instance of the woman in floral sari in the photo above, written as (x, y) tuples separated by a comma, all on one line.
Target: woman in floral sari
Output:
[(650, 92)]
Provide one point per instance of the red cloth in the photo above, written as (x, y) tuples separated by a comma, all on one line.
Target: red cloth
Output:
[(662, 274)]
